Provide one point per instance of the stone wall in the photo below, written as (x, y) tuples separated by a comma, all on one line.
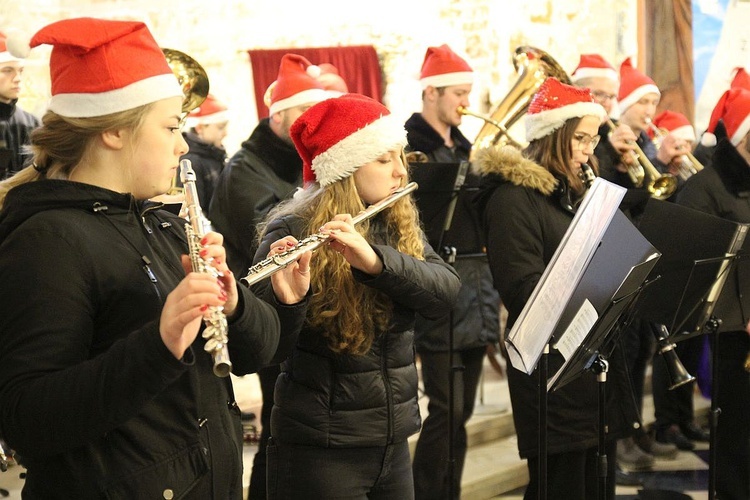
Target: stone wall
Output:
[(219, 33)]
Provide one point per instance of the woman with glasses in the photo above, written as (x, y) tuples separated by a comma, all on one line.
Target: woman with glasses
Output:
[(526, 202)]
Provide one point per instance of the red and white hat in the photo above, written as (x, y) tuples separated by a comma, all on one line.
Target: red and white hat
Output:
[(633, 85), (296, 84), (676, 124), (554, 104), (211, 110), (442, 67), (337, 136), (594, 66), (333, 83), (733, 109), (741, 79), (5, 55), (100, 66)]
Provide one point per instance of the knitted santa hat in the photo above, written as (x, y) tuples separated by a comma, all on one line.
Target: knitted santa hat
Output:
[(442, 67), (676, 124), (337, 136), (733, 109), (5, 55), (99, 66), (211, 110), (593, 66), (741, 79), (554, 104), (296, 84), (332, 82), (633, 85)]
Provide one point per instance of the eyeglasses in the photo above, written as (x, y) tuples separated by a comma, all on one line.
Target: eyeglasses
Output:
[(602, 96), (584, 140)]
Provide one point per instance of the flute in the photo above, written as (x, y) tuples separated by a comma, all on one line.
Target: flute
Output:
[(275, 263), (216, 330)]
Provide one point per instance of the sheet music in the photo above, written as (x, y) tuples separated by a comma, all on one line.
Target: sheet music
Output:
[(576, 332), (538, 319)]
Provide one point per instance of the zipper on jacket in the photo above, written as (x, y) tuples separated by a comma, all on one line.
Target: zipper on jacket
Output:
[(151, 276), (387, 385)]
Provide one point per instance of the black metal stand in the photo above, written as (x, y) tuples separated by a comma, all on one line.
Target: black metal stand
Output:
[(712, 328), (600, 366), (543, 371), (450, 258)]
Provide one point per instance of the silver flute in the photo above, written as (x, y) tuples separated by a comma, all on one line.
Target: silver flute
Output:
[(275, 263), (216, 329)]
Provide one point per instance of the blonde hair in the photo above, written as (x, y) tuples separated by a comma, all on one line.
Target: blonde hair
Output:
[(61, 143), (350, 314)]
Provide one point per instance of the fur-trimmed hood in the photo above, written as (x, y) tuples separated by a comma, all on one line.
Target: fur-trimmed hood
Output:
[(511, 166)]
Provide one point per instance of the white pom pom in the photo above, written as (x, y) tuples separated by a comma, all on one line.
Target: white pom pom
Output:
[(708, 139), (313, 71), (18, 44)]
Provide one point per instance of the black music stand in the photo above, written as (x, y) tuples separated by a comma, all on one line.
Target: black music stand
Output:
[(440, 185), (701, 254)]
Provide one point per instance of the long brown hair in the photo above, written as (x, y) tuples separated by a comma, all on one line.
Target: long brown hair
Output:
[(554, 151), (61, 143), (349, 313)]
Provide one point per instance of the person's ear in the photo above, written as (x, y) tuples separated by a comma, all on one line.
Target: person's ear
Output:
[(114, 138)]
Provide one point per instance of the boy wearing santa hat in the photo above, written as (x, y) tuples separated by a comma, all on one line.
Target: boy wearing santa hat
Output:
[(15, 123), (447, 80)]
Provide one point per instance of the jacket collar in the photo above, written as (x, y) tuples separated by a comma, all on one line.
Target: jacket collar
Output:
[(732, 168), (422, 137)]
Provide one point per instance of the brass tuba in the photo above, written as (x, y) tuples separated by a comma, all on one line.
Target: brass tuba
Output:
[(534, 66), (194, 83)]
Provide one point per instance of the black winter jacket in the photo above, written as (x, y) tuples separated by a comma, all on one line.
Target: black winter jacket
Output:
[(208, 162), (526, 211), (332, 400), (265, 171), (476, 314), (15, 131), (90, 397)]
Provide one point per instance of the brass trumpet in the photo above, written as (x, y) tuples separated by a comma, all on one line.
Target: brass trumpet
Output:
[(661, 186), (689, 164)]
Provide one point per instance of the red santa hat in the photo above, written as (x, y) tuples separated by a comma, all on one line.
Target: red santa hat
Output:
[(211, 110), (733, 109), (741, 79), (442, 67), (332, 82), (676, 124), (633, 85), (296, 84), (99, 67), (5, 55), (337, 136), (554, 104), (594, 66)]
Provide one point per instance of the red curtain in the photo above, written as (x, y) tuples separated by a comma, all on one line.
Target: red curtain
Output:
[(358, 65)]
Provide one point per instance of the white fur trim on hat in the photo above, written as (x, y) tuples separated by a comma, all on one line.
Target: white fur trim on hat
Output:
[(8, 57), (306, 96), (544, 123), (448, 79), (584, 73), (685, 132), (363, 146), (219, 117), (742, 131), (131, 96), (708, 139), (636, 95)]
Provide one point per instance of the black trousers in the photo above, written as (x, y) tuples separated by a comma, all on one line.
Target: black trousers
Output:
[(430, 466), (257, 489), (573, 475)]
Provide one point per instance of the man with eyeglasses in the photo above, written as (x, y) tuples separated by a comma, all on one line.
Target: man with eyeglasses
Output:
[(15, 124)]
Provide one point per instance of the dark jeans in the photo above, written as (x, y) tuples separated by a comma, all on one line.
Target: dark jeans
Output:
[(573, 475), (676, 406), (732, 393), (431, 461), (382, 472), (257, 489)]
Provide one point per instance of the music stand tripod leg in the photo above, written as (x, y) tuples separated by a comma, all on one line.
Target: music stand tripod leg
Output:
[(600, 366)]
